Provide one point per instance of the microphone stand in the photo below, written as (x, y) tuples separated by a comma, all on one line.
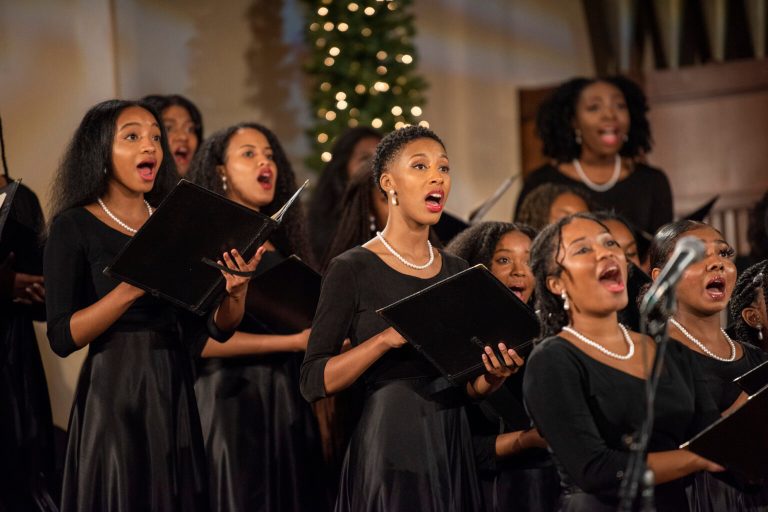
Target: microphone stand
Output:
[(637, 476)]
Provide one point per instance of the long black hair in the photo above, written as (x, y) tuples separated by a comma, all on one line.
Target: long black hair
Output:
[(750, 284), (477, 243), (354, 226), (555, 117), (757, 229), (546, 262), (161, 102), (2, 153), (291, 237), (86, 168)]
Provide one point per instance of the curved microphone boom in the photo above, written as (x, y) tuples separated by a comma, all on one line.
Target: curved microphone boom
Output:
[(688, 250)]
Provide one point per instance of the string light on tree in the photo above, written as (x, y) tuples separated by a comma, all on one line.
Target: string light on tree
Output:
[(361, 65)]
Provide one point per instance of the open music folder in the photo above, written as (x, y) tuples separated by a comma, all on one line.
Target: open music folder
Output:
[(284, 297), (173, 255), (738, 441), (452, 321)]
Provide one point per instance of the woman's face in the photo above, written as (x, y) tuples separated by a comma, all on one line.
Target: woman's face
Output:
[(362, 153), (602, 117), (626, 240), (249, 168), (510, 264), (182, 138), (707, 285), (595, 269), (419, 174), (136, 150), (566, 204)]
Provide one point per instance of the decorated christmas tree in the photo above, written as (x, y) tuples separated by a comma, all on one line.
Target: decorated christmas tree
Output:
[(362, 69)]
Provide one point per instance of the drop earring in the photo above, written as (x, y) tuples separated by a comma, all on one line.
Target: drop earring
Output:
[(224, 183), (392, 193), (759, 328), (564, 296), (578, 136)]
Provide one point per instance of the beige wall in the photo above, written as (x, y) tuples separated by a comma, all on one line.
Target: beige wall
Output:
[(58, 57)]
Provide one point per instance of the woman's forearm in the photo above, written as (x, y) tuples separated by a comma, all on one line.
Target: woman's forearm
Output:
[(89, 323), (244, 344), (341, 371)]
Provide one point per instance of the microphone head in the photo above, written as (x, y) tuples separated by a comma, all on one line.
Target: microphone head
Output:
[(691, 245)]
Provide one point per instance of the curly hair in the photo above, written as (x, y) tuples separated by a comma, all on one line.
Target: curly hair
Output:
[(546, 262), (750, 284), (86, 167), (291, 237), (757, 229), (477, 243), (161, 102), (555, 117), (537, 204), (393, 142)]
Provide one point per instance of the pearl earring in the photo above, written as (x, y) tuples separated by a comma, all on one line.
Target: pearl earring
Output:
[(224, 183), (759, 328), (578, 137), (564, 296), (392, 193)]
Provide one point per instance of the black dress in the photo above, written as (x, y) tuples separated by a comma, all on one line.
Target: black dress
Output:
[(26, 425), (644, 197), (409, 450), (584, 408), (261, 437), (134, 431), (524, 481), (708, 493)]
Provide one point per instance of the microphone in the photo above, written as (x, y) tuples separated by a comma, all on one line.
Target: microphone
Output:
[(688, 250)]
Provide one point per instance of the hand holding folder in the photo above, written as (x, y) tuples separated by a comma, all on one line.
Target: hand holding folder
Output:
[(174, 254), (452, 322)]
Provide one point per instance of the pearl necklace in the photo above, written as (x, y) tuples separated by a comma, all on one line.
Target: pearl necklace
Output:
[(403, 260), (119, 222), (701, 345), (601, 348), (597, 187)]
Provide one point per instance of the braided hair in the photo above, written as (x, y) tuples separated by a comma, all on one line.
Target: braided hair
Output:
[(391, 145), (547, 262), (291, 237), (750, 284)]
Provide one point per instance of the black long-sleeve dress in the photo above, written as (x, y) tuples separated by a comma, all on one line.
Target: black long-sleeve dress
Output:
[(644, 197), (524, 481), (26, 425), (261, 437), (584, 408), (134, 431), (409, 451), (709, 493)]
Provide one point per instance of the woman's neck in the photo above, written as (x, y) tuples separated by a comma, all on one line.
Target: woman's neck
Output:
[(602, 328), (121, 199), (409, 237), (594, 159), (703, 327)]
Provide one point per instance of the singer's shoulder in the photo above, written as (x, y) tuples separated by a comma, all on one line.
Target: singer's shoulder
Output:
[(554, 350)]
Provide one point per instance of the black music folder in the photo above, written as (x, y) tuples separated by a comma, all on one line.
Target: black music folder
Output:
[(754, 380), (284, 297), (173, 255), (452, 321), (738, 441)]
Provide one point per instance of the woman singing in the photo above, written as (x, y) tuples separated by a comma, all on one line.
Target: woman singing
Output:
[(409, 451), (134, 431), (585, 382)]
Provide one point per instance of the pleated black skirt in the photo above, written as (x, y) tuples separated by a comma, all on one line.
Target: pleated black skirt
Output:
[(409, 453), (134, 431)]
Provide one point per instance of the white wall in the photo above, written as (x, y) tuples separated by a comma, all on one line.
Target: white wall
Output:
[(59, 57)]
